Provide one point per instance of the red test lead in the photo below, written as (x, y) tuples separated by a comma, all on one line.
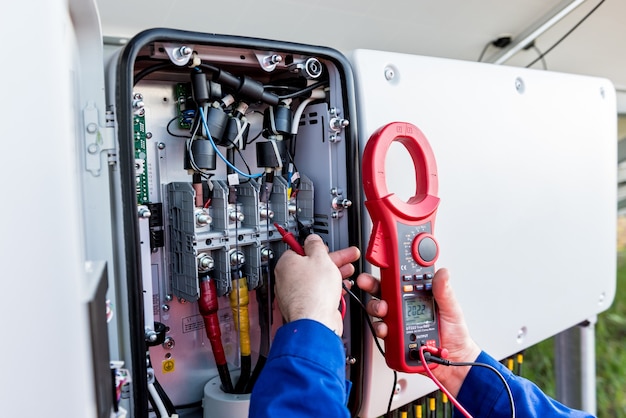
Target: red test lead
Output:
[(290, 240)]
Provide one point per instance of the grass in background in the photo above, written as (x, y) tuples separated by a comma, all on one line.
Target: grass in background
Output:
[(610, 355)]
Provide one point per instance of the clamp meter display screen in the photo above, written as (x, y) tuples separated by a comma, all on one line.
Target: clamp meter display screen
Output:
[(418, 310)]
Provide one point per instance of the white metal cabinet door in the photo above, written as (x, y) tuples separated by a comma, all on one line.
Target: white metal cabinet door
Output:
[(52, 272), (527, 179)]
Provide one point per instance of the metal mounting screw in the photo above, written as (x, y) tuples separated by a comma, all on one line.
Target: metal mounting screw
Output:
[(138, 101), (169, 343), (519, 85), (205, 262), (266, 254), (237, 258), (161, 145), (144, 212), (203, 218), (151, 335), (274, 59), (389, 74), (185, 51), (339, 203)]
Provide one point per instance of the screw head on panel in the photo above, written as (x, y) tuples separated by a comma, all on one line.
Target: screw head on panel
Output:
[(390, 74), (519, 85)]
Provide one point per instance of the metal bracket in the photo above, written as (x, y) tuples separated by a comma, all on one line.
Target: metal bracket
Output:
[(336, 124), (268, 62), (339, 203), (179, 54), (97, 139)]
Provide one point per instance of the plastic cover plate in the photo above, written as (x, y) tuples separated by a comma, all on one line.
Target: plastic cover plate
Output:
[(527, 179)]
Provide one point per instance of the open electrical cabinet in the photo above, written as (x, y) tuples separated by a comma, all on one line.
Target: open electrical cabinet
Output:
[(527, 171), (220, 137)]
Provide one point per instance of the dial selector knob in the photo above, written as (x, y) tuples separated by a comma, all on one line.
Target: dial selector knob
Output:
[(425, 249)]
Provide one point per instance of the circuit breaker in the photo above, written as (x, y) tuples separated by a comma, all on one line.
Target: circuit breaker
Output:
[(221, 139)]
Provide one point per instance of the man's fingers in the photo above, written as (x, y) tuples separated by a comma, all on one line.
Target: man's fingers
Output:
[(449, 307), (368, 283), (314, 246), (345, 256), (377, 308), (346, 270), (380, 329)]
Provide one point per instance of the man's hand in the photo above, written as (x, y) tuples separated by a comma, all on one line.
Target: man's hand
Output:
[(453, 330), (309, 287)]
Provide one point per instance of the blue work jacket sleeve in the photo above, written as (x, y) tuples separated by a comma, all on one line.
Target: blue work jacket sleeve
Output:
[(304, 375), (484, 395)]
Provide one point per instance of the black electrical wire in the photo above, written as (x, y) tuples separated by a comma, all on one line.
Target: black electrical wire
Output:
[(380, 349), (196, 404), (541, 56), (303, 91), (369, 321), (245, 373), (244, 162), (393, 392), (566, 34), (147, 71), (280, 87), (167, 128), (445, 362), (154, 405), (293, 142), (485, 48), (167, 402), (257, 136), (264, 301)]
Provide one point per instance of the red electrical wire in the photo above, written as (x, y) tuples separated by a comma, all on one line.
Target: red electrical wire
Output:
[(438, 383), (343, 307)]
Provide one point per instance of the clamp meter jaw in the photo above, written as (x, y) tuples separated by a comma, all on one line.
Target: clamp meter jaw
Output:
[(402, 245)]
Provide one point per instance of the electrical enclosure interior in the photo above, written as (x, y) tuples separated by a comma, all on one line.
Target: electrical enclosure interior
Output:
[(220, 139)]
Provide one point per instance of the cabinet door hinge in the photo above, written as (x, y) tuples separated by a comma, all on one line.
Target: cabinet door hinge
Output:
[(98, 139)]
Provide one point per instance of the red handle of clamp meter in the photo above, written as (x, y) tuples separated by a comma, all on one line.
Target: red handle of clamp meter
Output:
[(402, 244)]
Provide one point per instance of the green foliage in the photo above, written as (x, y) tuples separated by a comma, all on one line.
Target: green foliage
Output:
[(610, 356)]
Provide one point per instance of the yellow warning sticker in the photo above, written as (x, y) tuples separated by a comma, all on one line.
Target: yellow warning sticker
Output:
[(168, 366)]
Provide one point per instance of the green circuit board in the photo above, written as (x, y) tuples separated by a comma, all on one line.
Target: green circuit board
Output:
[(141, 161)]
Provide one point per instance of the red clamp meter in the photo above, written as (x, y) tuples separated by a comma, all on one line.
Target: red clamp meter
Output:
[(402, 245)]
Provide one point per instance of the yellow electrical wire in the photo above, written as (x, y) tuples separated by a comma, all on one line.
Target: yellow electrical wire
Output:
[(239, 301)]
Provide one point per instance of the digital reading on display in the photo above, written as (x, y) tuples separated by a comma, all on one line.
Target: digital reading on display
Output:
[(418, 309)]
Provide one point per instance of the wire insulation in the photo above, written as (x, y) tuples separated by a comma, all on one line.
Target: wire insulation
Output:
[(441, 386), (219, 154)]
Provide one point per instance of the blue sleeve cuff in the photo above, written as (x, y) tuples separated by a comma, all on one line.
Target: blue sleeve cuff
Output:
[(482, 388), (304, 376), (311, 341), (483, 394)]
